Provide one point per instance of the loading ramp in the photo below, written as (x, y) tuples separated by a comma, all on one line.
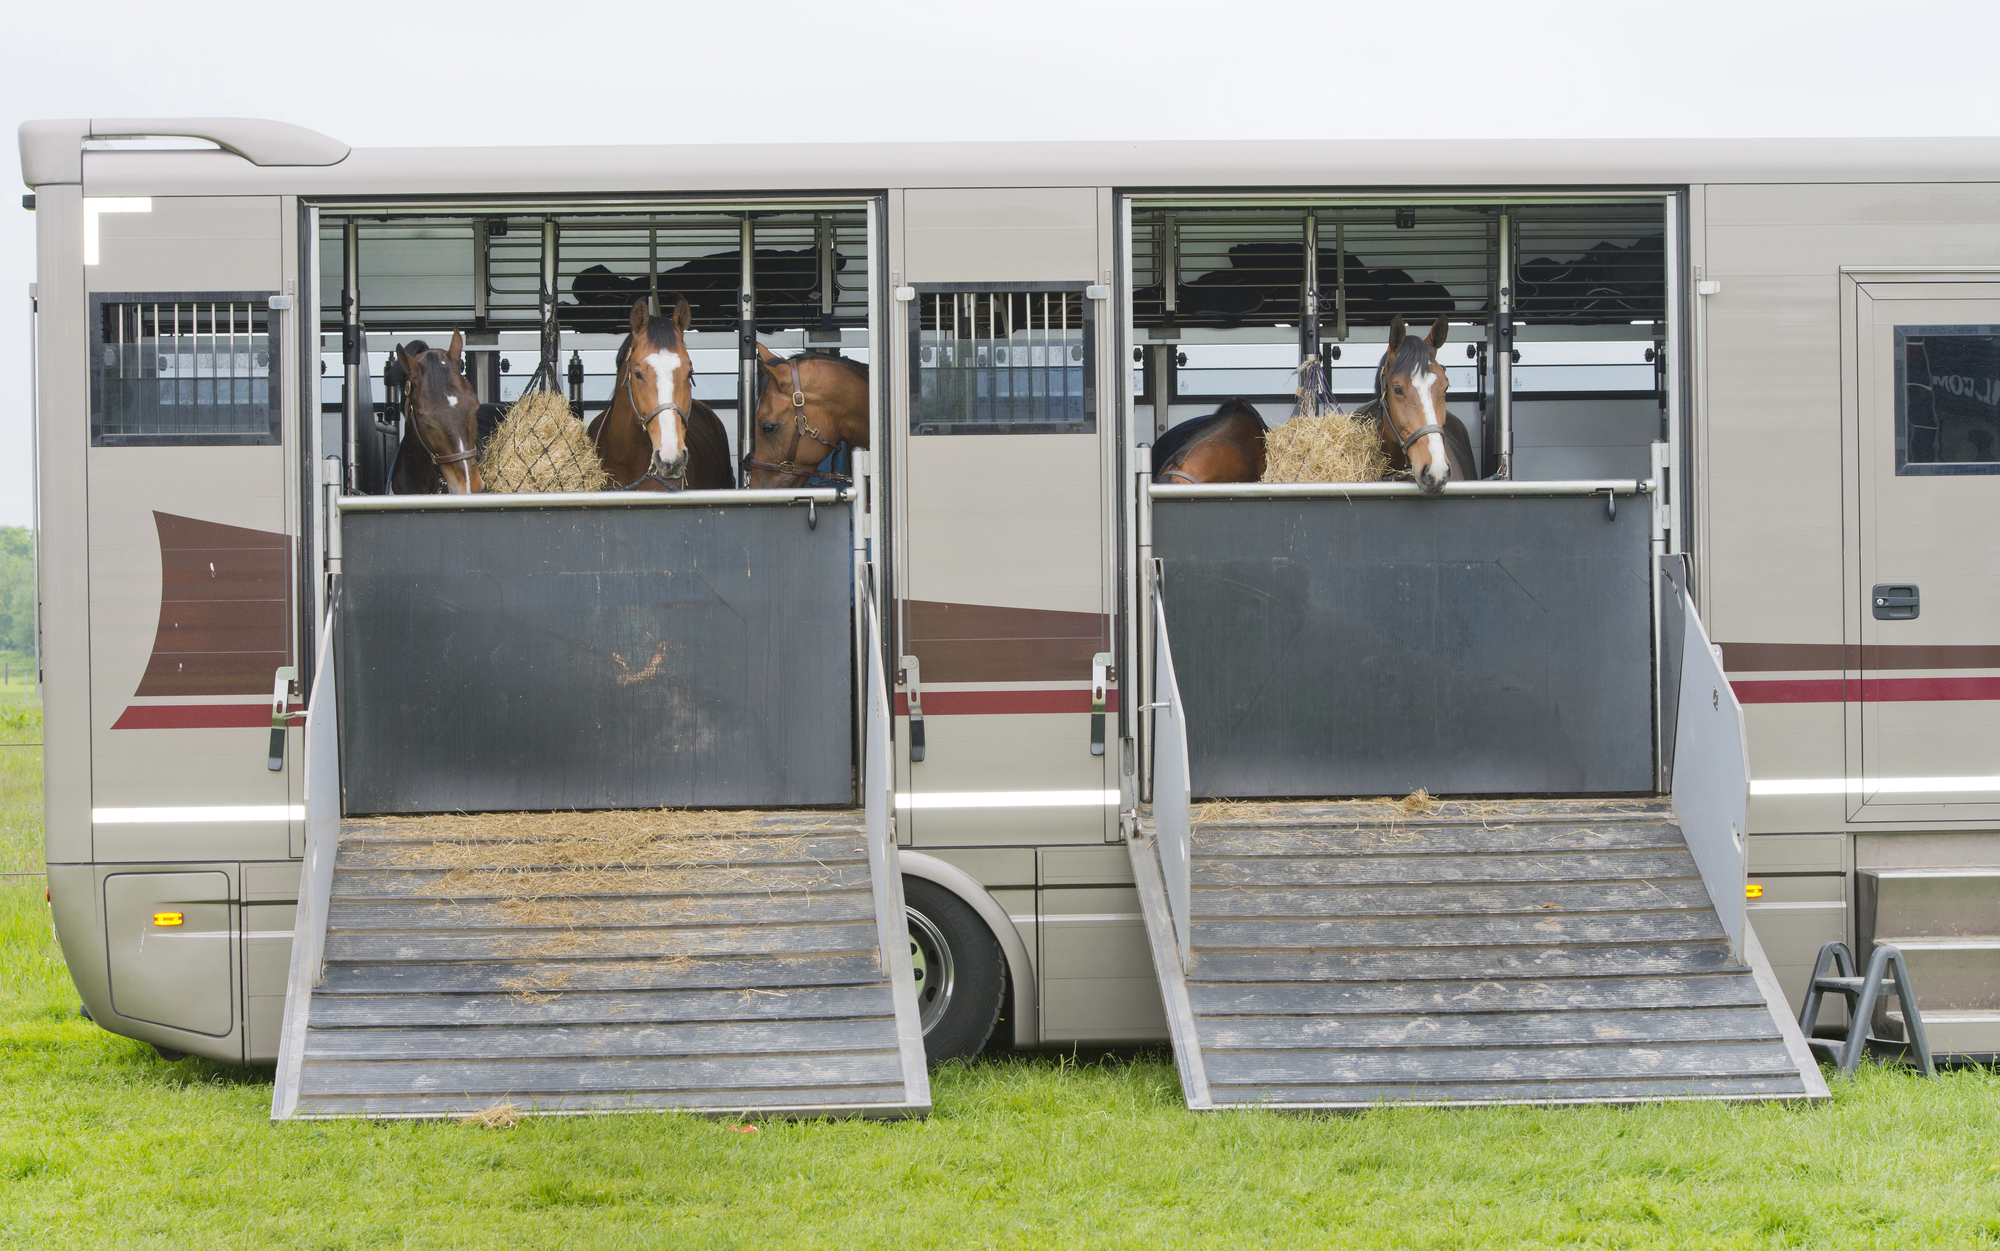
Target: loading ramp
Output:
[(1578, 934), (1347, 954), (605, 886)]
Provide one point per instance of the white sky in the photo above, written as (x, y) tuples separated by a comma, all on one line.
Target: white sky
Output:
[(504, 71)]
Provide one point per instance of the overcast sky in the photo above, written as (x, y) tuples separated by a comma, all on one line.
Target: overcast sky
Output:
[(501, 72)]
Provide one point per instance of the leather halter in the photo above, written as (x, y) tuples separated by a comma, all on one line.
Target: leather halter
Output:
[(409, 414), (800, 430), (1389, 426), (676, 481)]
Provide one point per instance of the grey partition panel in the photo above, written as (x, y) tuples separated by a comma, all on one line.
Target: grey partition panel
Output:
[(505, 659), (1370, 646)]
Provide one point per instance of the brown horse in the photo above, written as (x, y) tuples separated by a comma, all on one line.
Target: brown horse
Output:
[(440, 444), (1419, 437), (807, 405), (1225, 446), (655, 436)]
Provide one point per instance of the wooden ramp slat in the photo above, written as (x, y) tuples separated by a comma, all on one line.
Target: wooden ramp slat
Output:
[(737, 969), (1343, 955)]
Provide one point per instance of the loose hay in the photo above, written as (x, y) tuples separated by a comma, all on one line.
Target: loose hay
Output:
[(499, 1116), (540, 446)]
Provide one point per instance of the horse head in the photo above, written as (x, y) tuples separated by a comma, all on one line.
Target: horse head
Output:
[(441, 407), (806, 407), (1410, 387), (657, 376)]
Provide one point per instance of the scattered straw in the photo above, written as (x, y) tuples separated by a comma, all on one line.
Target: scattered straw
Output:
[(541, 446), (499, 1116)]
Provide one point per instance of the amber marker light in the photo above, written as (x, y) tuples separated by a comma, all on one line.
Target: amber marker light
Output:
[(1753, 891), (168, 918)]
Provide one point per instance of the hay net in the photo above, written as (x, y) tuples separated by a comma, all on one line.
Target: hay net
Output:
[(1321, 443), (540, 446)]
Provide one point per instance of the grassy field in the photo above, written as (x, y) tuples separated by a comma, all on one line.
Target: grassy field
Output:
[(103, 1144), (20, 777)]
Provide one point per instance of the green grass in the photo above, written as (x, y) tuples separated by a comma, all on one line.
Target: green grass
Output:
[(103, 1144), (20, 781)]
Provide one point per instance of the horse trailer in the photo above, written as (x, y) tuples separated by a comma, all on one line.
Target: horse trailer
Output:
[(1110, 750)]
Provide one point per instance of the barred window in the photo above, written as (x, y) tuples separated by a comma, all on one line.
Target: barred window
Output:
[(183, 369), (1005, 359)]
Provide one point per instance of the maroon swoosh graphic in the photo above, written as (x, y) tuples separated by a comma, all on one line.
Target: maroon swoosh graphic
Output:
[(197, 717), (1806, 657), (1871, 690)]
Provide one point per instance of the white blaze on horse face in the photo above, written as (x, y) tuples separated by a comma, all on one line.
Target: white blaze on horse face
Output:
[(451, 400), (666, 367), (1440, 466)]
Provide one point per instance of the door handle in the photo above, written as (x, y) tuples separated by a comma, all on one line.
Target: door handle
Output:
[(1896, 602), (913, 692), (281, 687), (1100, 680)]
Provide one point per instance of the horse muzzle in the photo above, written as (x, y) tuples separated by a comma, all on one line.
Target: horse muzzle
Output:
[(671, 474)]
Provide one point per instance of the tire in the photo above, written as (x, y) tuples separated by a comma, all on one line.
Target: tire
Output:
[(961, 971), (169, 1054)]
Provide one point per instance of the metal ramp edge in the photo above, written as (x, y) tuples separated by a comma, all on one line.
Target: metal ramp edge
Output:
[(405, 1011)]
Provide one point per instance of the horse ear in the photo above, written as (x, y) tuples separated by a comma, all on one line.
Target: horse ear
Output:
[(458, 351), (1439, 329), (639, 319), (769, 357), (683, 315), (1397, 333)]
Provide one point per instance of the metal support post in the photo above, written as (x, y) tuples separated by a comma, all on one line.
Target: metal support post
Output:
[(1503, 349), (746, 380), (545, 373), (353, 352), (652, 271), (828, 290), (485, 365), (1340, 281), (1309, 293)]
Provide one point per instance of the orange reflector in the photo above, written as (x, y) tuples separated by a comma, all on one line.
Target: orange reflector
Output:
[(168, 918), (1753, 891)]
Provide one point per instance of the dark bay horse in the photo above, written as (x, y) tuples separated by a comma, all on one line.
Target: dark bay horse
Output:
[(1225, 446), (1419, 436), (655, 436), (440, 444), (807, 405)]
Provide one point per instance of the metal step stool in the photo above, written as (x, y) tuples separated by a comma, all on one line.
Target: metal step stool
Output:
[(1861, 993)]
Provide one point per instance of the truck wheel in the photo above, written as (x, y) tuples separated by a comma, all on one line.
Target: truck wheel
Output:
[(961, 971)]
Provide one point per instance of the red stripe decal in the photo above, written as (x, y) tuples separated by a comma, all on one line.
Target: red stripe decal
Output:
[(1871, 690), (995, 703), (196, 717)]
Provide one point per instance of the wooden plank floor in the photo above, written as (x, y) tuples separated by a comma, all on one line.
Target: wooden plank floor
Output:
[(726, 966), (1345, 954)]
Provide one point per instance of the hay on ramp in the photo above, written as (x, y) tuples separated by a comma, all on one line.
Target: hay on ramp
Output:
[(1320, 443), (540, 446)]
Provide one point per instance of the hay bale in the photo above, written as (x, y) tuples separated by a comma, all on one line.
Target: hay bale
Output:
[(540, 446), (1320, 443), (1331, 447)]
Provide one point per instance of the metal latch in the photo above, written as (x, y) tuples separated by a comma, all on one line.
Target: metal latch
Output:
[(913, 693), (1897, 602), (1100, 680), (281, 687)]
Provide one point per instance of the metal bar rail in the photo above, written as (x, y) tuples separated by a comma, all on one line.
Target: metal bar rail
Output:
[(1452, 490), (322, 786), (591, 499), (1172, 794)]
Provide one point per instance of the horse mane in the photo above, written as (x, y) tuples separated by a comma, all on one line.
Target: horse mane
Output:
[(1173, 446), (1413, 354)]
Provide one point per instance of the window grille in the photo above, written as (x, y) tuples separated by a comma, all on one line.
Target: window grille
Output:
[(1011, 361), (183, 369)]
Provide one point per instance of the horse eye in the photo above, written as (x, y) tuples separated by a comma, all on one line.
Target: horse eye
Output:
[(767, 426), (1399, 390)]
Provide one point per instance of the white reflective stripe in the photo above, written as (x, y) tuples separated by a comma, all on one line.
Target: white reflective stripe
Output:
[(176, 816), (1007, 799), (1872, 786)]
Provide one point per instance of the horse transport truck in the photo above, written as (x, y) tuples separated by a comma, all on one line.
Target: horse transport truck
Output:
[(974, 732)]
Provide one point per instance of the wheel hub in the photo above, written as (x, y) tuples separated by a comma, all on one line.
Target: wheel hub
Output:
[(930, 959)]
